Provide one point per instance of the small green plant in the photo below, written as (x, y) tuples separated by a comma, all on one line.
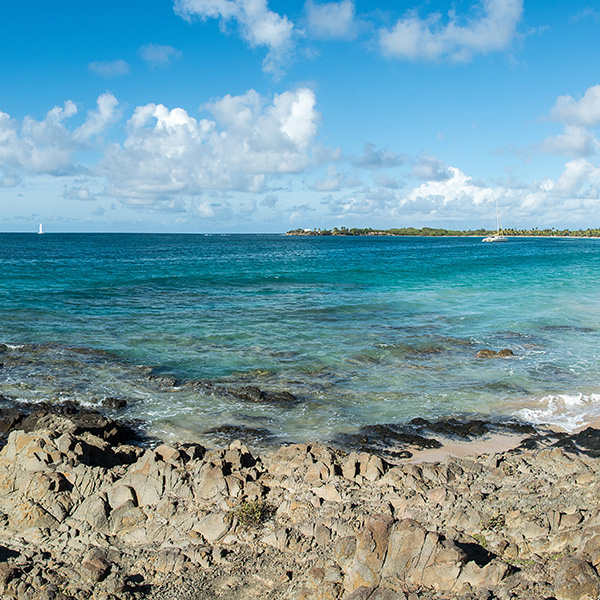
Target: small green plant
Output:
[(494, 522), (251, 513), (480, 539), (519, 563)]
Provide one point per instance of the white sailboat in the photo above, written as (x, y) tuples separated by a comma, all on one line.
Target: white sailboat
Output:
[(40, 232), (497, 237)]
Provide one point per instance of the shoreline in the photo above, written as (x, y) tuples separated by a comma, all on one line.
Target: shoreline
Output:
[(547, 237)]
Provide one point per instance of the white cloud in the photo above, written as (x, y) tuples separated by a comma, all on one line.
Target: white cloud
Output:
[(575, 141), (578, 118), (109, 69), (377, 159), (169, 154), (331, 20), (568, 199), (37, 146), (78, 192), (430, 168), (582, 113), (107, 112), (492, 28), (586, 13), (48, 146), (10, 179), (579, 179), (269, 200), (158, 56), (334, 181), (456, 189), (259, 25), (386, 181)]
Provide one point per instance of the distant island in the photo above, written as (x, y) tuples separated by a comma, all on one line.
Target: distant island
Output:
[(436, 232)]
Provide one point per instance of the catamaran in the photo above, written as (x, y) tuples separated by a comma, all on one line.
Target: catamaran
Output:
[(496, 237)]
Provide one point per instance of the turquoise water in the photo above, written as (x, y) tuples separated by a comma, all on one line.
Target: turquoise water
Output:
[(362, 330)]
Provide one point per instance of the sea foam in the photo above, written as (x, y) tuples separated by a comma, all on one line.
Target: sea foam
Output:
[(569, 412)]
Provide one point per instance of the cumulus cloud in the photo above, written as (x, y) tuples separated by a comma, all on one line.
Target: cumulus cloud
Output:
[(584, 112), (331, 20), (492, 27), (168, 153), (578, 117), (454, 189), (259, 26), (158, 56), (38, 146), (48, 146), (430, 168), (372, 158), (107, 112), (575, 141), (109, 69)]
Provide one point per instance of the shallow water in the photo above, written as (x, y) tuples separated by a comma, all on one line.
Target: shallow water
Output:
[(361, 330)]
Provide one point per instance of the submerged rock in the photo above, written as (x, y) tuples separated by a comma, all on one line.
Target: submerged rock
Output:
[(487, 353), (252, 393)]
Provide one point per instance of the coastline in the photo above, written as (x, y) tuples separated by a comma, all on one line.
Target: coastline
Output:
[(547, 237), (91, 510)]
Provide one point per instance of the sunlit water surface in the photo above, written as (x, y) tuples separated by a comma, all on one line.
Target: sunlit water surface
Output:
[(362, 330)]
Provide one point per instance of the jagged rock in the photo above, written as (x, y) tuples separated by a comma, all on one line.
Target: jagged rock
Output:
[(79, 513), (576, 579), (375, 593), (95, 566), (214, 526)]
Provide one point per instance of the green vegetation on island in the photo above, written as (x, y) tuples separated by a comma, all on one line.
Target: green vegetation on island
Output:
[(438, 232)]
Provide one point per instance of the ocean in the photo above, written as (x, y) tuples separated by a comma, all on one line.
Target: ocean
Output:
[(361, 330)]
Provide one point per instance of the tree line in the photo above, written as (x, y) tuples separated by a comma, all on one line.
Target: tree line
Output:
[(439, 232)]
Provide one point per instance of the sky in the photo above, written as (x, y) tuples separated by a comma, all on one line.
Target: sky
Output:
[(264, 116)]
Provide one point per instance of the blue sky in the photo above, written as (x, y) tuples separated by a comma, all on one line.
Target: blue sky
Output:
[(256, 116)]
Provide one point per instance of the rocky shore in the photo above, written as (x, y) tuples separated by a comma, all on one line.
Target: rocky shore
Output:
[(87, 511)]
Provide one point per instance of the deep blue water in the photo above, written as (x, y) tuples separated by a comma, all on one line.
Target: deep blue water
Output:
[(363, 330)]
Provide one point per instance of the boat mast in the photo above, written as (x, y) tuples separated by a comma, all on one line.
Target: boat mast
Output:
[(497, 219)]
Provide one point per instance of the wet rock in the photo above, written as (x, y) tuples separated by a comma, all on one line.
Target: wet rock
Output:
[(487, 353), (163, 380), (452, 427), (229, 433), (378, 437), (252, 393), (589, 440), (114, 403)]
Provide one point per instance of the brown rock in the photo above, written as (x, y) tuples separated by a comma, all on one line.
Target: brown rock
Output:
[(576, 579), (95, 566), (371, 549)]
